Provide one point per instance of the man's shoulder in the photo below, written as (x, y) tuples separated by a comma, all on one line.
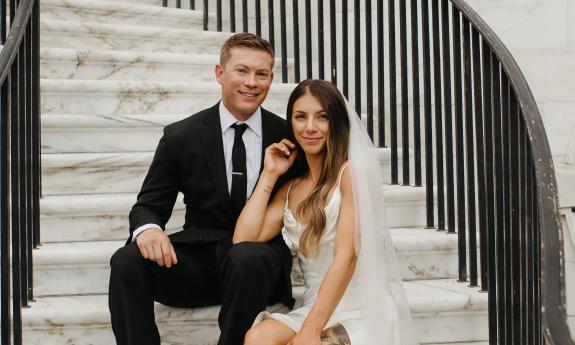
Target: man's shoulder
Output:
[(274, 118), (191, 123)]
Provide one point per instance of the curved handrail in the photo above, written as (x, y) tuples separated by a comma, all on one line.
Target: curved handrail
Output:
[(15, 36), (553, 310)]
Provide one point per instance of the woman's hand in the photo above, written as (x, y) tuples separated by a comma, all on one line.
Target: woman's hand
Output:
[(305, 337), (279, 157)]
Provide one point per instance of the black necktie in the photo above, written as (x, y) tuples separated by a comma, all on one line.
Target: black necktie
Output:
[(239, 171)]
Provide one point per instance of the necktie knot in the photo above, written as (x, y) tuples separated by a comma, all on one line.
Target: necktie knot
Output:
[(239, 129)]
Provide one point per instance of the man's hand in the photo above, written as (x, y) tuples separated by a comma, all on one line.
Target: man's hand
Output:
[(155, 245)]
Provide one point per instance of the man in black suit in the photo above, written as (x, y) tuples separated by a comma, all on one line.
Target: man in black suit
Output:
[(214, 158)]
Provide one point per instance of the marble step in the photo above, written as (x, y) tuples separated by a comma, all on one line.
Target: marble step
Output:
[(102, 173), (65, 63), (99, 133), (443, 311), (71, 268), (112, 12), (111, 97), (95, 217), (102, 36)]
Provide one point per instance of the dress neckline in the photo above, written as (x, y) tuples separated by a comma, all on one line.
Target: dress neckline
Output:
[(332, 197)]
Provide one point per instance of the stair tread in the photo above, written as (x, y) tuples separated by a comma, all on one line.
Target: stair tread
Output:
[(406, 240), (424, 297)]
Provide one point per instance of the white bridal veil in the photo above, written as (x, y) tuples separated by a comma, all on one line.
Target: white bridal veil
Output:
[(385, 313)]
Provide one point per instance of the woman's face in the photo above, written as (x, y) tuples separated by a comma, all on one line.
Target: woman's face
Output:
[(310, 123)]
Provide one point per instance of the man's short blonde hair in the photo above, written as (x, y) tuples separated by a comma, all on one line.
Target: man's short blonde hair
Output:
[(245, 40)]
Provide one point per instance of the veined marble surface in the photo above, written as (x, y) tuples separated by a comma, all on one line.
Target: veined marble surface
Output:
[(89, 35), (66, 63), (83, 267), (115, 172), (443, 311), (92, 217), (112, 12), (113, 97)]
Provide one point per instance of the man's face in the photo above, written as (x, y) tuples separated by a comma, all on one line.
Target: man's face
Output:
[(245, 79)]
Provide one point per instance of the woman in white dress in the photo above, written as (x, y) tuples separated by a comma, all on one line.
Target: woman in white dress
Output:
[(331, 215)]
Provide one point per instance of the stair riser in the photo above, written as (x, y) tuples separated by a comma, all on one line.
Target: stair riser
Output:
[(95, 226), (461, 327), (73, 279), (159, 99), (115, 177), (86, 39), (110, 65), (157, 17)]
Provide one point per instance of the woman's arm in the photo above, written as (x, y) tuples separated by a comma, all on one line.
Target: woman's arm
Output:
[(339, 273), (261, 220)]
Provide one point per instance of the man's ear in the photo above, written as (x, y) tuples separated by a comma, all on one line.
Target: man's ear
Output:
[(219, 71)]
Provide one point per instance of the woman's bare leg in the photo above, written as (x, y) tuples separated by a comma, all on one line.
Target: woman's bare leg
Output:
[(269, 332), (335, 335)]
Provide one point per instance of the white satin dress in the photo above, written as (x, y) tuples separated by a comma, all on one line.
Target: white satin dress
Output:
[(347, 312)]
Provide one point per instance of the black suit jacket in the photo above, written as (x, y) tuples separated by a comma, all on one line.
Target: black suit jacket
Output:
[(190, 159)]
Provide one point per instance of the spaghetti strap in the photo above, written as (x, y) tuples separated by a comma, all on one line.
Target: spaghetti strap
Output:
[(287, 194), (343, 166)]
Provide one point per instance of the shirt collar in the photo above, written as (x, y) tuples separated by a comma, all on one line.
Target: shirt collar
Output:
[(254, 122)]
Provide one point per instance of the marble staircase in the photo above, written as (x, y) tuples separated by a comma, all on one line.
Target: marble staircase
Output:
[(113, 74)]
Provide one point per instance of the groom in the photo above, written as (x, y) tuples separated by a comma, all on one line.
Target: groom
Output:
[(214, 159)]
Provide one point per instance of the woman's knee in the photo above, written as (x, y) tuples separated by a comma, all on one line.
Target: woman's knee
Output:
[(262, 335)]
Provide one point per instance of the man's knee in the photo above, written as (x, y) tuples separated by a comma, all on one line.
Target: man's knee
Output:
[(247, 256), (126, 259)]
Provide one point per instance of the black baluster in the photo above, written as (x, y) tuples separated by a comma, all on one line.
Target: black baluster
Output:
[(438, 116), (523, 230), (296, 41), (369, 70), (4, 205), (344, 49), (489, 189), (380, 76), (219, 15), (206, 15), (392, 93), (192, 4), (178, 3), (426, 48), (508, 268), (37, 189), (416, 103), (469, 144), (258, 17), (271, 30), (333, 41), (459, 142), (23, 163), (480, 153), (308, 53), (283, 40), (232, 16), (357, 56), (499, 192), (448, 116), (515, 223), (404, 92), (320, 40), (15, 174), (245, 15)]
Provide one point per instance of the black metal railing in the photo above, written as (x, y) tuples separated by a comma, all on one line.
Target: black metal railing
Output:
[(482, 152), (19, 161)]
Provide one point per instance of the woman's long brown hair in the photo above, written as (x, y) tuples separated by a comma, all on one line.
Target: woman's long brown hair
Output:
[(312, 207)]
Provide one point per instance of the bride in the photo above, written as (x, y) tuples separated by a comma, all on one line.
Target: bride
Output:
[(331, 213)]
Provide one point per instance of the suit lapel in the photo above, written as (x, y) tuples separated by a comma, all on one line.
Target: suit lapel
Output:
[(268, 136), (214, 148)]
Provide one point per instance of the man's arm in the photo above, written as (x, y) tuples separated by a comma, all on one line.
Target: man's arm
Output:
[(154, 206)]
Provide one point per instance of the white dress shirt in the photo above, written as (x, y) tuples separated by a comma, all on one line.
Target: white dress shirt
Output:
[(252, 138)]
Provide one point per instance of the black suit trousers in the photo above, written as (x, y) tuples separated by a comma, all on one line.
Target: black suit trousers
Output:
[(243, 278)]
